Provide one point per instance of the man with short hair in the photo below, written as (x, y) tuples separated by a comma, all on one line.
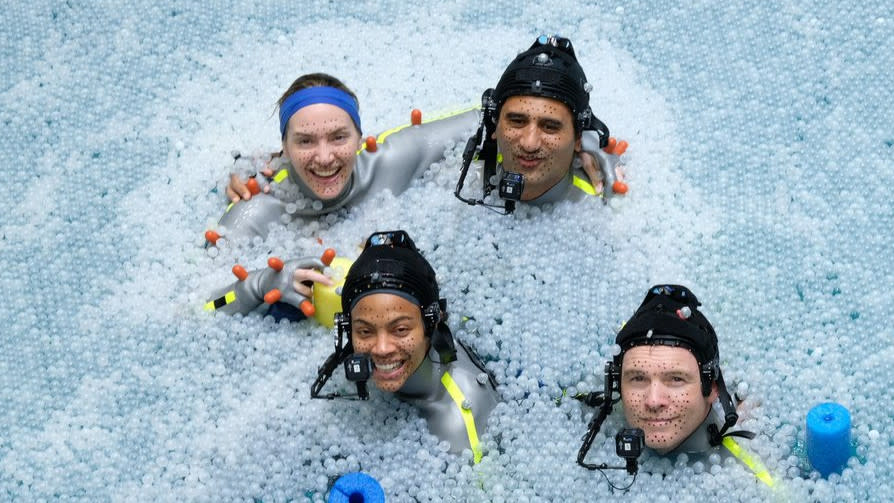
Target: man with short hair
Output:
[(532, 127), (668, 375), (534, 123), (669, 369)]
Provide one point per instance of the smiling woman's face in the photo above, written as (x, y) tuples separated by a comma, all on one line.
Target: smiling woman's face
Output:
[(662, 394), (390, 329), (321, 141)]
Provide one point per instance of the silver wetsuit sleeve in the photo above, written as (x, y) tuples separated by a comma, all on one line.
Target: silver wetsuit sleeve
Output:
[(246, 294), (606, 162), (246, 219), (404, 154)]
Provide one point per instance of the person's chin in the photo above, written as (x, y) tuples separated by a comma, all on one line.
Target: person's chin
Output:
[(389, 385), (329, 186), (661, 448), (661, 445), (329, 191)]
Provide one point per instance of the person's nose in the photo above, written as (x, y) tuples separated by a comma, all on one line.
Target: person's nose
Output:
[(383, 346), (530, 138), (656, 396), (324, 153)]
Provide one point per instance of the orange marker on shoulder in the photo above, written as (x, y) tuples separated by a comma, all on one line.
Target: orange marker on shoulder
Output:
[(416, 117), (371, 145), (275, 263)]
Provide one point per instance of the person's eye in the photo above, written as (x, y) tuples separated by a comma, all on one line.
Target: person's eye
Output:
[(552, 128)]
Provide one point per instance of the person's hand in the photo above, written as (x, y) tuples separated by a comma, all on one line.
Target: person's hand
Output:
[(591, 168), (607, 168), (303, 280), (288, 281), (239, 189), (291, 281)]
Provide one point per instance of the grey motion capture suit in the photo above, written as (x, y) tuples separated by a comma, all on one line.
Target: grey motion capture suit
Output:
[(430, 391), (401, 157), (698, 447), (699, 441)]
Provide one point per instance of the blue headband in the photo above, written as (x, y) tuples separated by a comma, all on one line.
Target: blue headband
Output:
[(313, 95)]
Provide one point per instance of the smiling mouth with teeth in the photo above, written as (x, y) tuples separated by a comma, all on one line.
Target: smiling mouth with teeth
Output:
[(321, 173), (388, 367)]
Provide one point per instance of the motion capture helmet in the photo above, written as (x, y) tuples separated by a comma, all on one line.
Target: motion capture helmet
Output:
[(548, 69), (391, 263), (669, 316)]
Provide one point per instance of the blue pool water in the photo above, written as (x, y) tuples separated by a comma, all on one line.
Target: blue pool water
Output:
[(760, 164)]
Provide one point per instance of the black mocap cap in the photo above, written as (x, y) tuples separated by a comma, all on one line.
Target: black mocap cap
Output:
[(669, 316)]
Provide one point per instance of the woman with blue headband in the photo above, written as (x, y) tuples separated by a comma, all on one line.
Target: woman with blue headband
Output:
[(320, 130), (323, 165), (321, 168)]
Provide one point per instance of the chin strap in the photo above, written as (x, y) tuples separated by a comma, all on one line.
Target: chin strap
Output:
[(483, 146), (730, 416)]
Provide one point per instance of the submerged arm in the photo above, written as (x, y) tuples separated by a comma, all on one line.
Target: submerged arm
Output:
[(244, 220)]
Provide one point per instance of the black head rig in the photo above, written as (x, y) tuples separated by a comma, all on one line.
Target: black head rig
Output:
[(548, 69)]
